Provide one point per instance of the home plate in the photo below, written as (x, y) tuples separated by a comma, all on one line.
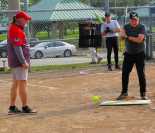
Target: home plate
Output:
[(125, 102)]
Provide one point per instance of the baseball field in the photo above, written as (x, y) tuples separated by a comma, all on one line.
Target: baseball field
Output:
[(64, 103)]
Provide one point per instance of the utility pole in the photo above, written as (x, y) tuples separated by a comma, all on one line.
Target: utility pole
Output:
[(106, 5), (26, 8), (26, 5), (13, 6)]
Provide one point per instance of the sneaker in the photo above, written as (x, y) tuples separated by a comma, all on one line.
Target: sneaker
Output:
[(117, 67), (13, 110), (144, 97), (122, 96), (27, 109), (109, 68)]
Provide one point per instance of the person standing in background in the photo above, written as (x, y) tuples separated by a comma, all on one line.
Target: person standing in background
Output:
[(110, 29), (18, 61)]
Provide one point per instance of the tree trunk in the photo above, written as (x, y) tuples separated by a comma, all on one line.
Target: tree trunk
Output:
[(61, 30)]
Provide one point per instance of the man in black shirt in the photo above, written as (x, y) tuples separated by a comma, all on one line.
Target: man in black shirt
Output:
[(134, 35)]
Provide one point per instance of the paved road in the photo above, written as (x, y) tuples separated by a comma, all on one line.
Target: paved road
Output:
[(58, 61), (51, 61)]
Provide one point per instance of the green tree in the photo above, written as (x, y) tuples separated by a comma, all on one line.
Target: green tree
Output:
[(129, 2), (33, 1), (117, 3)]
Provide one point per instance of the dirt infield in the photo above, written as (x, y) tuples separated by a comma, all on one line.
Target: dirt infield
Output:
[(63, 100)]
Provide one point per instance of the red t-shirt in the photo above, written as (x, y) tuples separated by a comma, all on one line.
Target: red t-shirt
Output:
[(16, 35)]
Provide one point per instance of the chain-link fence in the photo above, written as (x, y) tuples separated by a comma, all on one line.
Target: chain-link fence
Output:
[(147, 17), (53, 25), (63, 24)]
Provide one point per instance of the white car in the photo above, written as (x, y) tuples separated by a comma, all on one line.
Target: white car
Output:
[(52, 49)]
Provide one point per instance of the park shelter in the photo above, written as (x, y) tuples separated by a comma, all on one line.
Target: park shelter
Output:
[(47, 13)]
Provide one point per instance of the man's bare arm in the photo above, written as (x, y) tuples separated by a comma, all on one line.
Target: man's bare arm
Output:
[(138, 39)]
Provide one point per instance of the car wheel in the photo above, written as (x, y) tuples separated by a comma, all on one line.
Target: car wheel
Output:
[(38, 55), (3, 54), (67, 53)]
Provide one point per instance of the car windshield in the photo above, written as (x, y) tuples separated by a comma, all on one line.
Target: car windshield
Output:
[(41, 44)]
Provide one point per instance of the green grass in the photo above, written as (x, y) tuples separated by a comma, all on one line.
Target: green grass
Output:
[(60, 67), (153, 29), (3, 37), (70, 34), (42, 35), (2, 71), (67, 66), (56, 67)]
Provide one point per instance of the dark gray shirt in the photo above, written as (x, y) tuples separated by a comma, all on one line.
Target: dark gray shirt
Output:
[(133, 47)]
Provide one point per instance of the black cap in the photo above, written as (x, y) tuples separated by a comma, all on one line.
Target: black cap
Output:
[(107, 14), (133, 15)]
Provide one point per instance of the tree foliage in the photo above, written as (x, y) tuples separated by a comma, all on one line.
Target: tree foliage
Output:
[(111, 2), (114, 3), (33, 1), (128, 2)]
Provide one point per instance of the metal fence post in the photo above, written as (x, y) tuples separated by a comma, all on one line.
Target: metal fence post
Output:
[(148, 47), (26, 6), (106, 5), (151, 49)]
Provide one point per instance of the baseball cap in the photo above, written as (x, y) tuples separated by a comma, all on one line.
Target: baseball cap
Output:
[(107, 14), (133, 15), (22, 14)]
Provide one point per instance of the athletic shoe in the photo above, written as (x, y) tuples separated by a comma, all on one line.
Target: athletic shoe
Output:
[(117, 67), (13, 110), (144, 97), (27, 109), (109, 68), (122, 96)]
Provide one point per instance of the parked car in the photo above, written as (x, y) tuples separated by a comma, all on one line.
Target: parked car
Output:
[(3, 46), (52, 49), (33, 41), (3, 49)]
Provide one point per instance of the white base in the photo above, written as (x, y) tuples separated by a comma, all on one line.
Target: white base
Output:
[(125, 102)]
